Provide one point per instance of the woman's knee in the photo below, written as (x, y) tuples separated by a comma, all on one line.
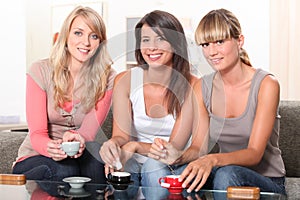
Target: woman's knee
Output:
[(61, 171), (151, 171), (226, 176), (152, 165)]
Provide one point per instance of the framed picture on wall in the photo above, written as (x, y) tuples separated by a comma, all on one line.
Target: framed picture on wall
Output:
[(130, 41)]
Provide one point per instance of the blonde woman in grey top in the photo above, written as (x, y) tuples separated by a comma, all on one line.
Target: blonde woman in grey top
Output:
[(236, 107)]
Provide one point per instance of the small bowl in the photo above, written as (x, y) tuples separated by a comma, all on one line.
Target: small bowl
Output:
[(76, 182)]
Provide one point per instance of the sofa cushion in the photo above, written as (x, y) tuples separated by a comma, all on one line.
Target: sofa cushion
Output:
[(289, 139), (292, 186), (9, 145), (105, 131)]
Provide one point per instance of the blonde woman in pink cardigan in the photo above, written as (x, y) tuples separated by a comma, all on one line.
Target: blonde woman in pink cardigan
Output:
[(68, 97)]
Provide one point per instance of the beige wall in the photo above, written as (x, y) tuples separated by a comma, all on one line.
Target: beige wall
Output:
[(285, 46), (13, 58), (116, 12), (270, 29)]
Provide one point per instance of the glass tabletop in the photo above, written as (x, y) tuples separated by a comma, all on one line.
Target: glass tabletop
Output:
[(39, 190)]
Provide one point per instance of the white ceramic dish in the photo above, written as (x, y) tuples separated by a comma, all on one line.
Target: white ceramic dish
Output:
[(76, 181)]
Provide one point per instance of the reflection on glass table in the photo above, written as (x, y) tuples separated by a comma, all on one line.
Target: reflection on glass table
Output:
[(39, 190)]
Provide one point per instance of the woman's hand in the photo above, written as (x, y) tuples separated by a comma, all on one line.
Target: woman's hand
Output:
[(55, 151), (196, 173), (70, 136), (110, 153), (164, 151), (125, 153), (157, 149)]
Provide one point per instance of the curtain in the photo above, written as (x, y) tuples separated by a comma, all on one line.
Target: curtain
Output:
[(285, 46)]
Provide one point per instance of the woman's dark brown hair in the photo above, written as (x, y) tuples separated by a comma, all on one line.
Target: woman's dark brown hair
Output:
[(170, 29)]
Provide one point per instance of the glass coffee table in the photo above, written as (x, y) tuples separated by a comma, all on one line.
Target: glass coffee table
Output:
[(39, 190)]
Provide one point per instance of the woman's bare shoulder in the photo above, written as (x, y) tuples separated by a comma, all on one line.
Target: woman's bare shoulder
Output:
[(269, 90), (122, 76)]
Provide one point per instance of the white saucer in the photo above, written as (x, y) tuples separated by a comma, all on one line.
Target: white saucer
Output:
[(76, 181)]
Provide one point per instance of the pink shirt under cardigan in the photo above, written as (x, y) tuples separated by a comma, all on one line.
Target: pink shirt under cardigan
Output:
[(45, 122)]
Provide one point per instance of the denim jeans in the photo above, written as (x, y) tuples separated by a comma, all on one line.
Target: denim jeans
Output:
[(232, 175), (88, 164)]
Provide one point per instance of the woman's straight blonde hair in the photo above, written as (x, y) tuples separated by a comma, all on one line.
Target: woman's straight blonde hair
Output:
[(218, 25)]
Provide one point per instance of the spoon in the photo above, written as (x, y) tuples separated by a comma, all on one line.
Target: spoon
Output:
[(171, 169)]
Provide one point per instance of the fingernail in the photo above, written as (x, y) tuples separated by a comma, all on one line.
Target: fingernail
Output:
[(189, 191)]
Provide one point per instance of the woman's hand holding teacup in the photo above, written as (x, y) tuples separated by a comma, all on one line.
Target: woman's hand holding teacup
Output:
[(70, 136), (55, 151)]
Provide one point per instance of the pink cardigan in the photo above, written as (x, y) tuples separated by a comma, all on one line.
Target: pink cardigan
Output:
[(45, 122)]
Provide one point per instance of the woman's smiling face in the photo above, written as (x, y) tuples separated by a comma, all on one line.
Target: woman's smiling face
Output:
[(82, 41), (155, 50), (223, 54)]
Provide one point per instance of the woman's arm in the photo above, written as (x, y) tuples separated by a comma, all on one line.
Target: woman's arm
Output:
[(200, 127), (122, 117), (36, 114), (122, 111)]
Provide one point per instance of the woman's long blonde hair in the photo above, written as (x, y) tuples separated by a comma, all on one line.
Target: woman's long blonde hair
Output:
[(217, 25), (93, 78)]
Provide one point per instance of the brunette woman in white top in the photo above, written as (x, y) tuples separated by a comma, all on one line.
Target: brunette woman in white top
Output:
[(151, 100)]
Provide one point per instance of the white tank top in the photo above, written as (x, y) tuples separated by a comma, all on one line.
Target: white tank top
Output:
[(146, 128)]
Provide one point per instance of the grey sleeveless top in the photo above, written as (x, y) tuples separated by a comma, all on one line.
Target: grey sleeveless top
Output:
[(233, 134)]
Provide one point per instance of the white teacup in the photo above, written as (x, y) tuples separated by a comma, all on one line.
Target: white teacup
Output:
[(71, 148)]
